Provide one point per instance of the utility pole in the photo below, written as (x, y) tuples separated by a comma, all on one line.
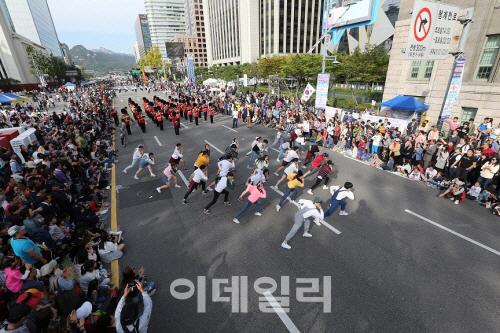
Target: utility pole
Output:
[(466, 22)]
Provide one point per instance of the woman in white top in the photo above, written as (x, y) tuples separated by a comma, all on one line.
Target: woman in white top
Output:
[(262, 163), (109, 250), (138, 153), (488, 170)]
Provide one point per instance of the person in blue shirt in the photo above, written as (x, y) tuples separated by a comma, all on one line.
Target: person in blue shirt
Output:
[(276, 114), (24, 247)]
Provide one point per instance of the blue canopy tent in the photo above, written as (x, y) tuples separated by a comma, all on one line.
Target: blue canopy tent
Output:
[(408, 103), (8, 98), (68, 84)]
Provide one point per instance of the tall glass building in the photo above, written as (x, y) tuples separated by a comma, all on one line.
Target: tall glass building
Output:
[(142, 35), (32, 20), (166, 21)]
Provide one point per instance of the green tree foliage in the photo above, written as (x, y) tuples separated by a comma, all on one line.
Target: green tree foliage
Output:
[(153, 59), (54, 67)]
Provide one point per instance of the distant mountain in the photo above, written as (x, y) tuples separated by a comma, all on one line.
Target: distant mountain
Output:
[(102, 60), (104, 50)]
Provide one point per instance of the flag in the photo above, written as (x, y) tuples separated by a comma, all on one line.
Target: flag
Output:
[(307, 93)]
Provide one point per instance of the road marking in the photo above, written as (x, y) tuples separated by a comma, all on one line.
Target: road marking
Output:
[(183, 178), (220, 151), (326, 224), (115, 269), (121, 100), (184, 125), (159, 143), (276, 150), (138, 99), (229, 128), (281, 313), (453, 232)]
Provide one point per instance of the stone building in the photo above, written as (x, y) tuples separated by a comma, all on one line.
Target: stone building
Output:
[(427, 80)]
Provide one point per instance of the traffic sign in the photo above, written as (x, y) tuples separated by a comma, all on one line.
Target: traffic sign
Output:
[(431, 31)]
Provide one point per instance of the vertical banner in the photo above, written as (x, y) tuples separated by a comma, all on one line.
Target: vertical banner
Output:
[(454, 91), (245, 80), (322, 86), (307, 93), (192, 78)]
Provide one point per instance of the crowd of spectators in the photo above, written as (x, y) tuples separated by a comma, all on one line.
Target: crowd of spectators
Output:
[(54, 246)]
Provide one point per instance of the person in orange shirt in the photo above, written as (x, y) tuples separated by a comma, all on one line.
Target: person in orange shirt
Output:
[(190, 114), (205, 112), (211, 111), (196, 114)]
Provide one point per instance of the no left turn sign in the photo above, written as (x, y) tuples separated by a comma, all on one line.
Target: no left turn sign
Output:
[(422, 25)]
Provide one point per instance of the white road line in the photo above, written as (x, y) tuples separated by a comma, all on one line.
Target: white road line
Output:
[(288, 198), (184, 125), (220, 151), (281, 313), (454, 232), (138, 99), (183, 178), (229, 128), (159, 143), (276, 150), (326, 224)]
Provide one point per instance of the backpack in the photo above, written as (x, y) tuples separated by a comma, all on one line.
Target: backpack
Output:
[(67, 301)]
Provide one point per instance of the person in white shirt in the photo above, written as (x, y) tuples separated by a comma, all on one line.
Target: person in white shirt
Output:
[(225, 181), (198, 177), (292, 168), (289, 156), (258, 176), (429, 174), (235, 117), (177, 156), (309, 209), (224, 167), (474, 191), (138, 153), (339, 193), (283, 148)]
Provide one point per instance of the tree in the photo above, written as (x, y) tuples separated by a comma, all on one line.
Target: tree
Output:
[(271, 65), (362, 67), (302, 66), (153, 59), (41, 63)]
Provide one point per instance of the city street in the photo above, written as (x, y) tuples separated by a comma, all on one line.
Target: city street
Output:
[(403, 260)]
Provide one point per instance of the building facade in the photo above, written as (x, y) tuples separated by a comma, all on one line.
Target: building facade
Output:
[(241, 31), (142, 34), (165, 21), (137, 52), (427, 80), (14, 59), (66, 54), (32, 19)]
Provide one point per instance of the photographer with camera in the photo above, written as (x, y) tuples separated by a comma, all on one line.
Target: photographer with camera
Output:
[(127, 315)]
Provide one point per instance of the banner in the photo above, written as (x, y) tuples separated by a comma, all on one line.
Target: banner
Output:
[(454, 91), (307, 93), (330, 112), (322, 86), (245, 80), (395, 123), (192, 78)]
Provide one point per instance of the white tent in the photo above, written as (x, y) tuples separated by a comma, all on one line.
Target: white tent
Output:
[(210, 82)]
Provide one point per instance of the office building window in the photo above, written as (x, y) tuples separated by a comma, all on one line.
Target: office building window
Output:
[(488, 58), (421, 70), (467, 114)]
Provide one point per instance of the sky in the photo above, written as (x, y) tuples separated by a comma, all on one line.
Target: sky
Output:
[(97, 23)]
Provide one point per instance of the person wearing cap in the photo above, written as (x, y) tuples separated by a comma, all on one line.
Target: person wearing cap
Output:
[(309, 209), (455, 192), (136, 157), (226, 180), (339, 193), (24, 247), (127, 314), (16, 319)]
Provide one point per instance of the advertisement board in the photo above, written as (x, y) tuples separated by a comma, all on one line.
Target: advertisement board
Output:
[(322, 86), (174, 50), (454, 90)]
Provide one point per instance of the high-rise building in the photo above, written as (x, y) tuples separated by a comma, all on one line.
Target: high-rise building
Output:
[(137, 52), (165, 21), (32, 19), (142, 35), (241, 31), (14, 59), (66, 54), (194, 40)]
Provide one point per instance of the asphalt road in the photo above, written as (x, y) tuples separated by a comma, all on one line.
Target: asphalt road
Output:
[(391, 271)]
